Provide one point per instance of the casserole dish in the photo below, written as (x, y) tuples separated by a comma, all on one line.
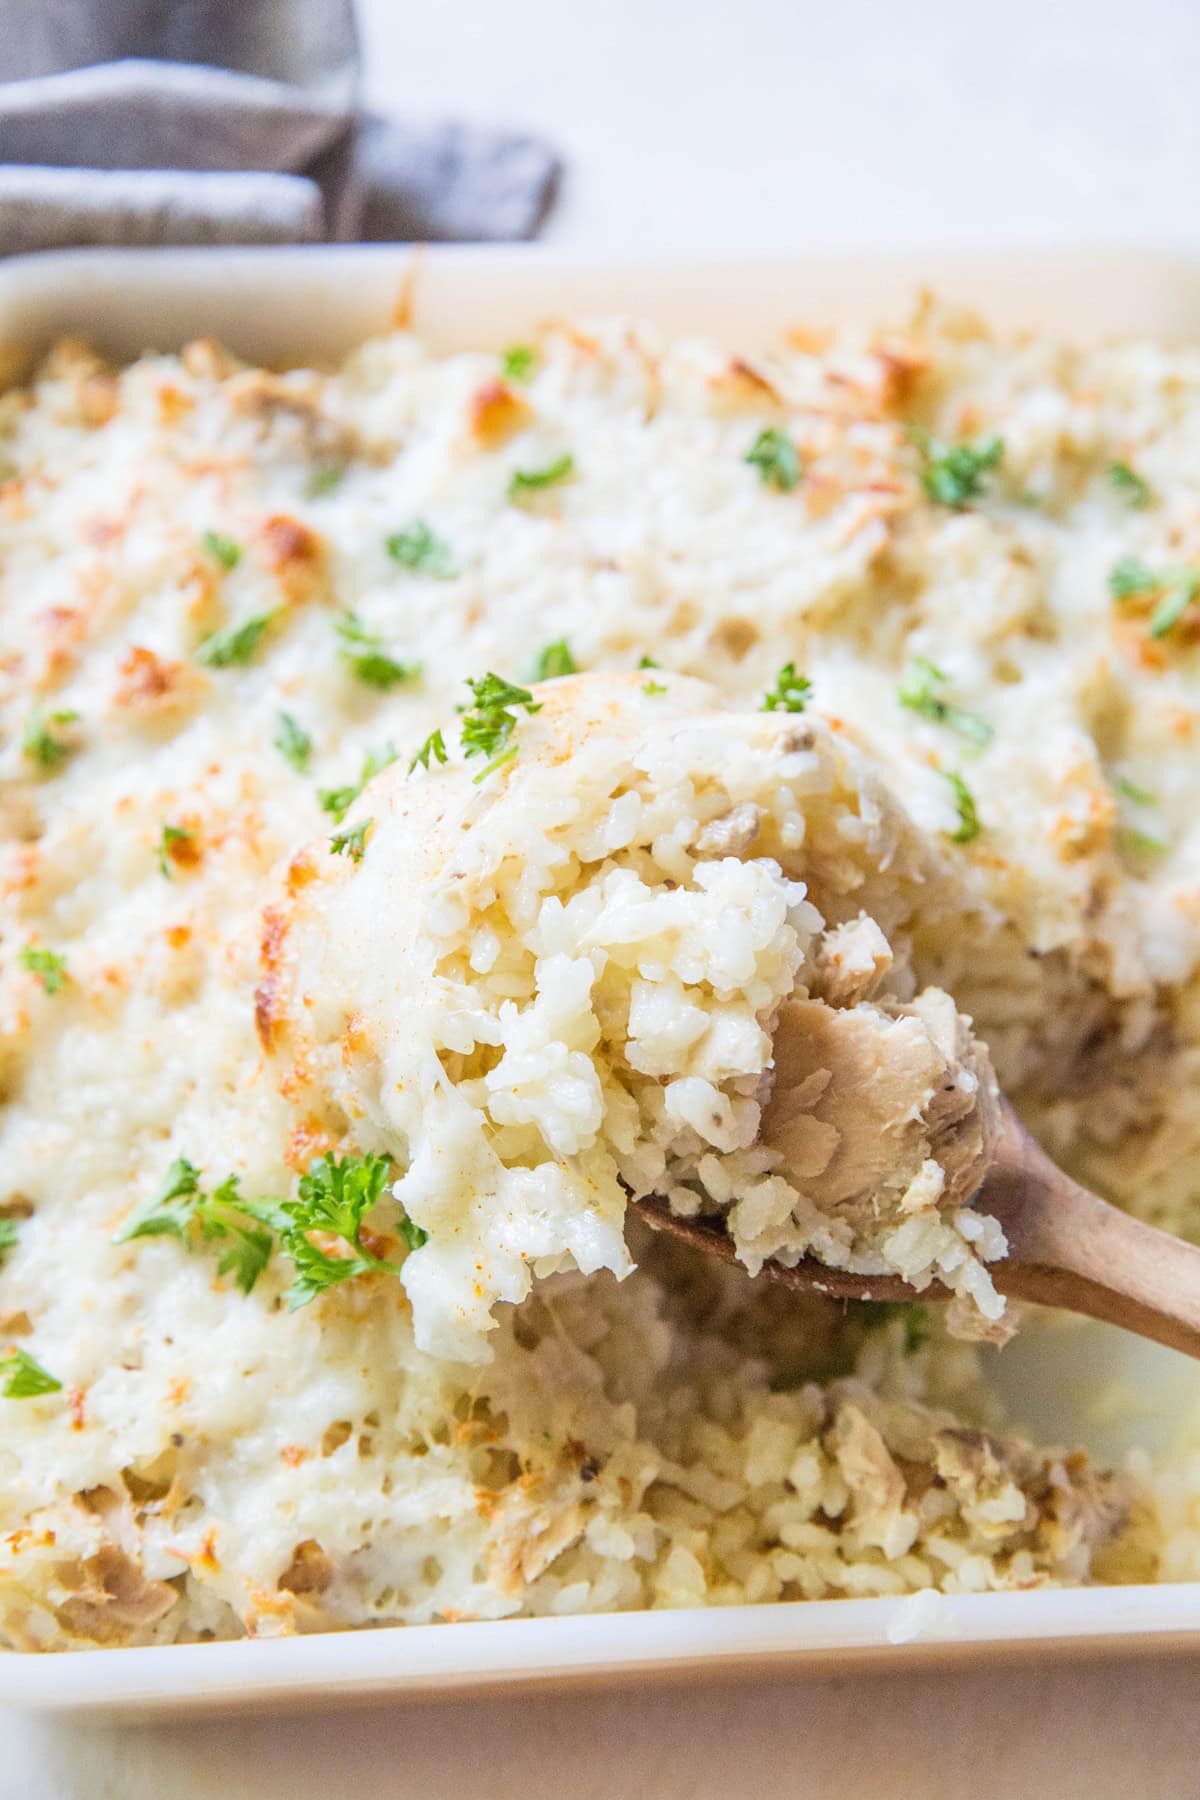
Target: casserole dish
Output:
[(282, 307)]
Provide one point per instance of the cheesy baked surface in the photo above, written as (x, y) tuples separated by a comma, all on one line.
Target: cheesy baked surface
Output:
[(318, 1306)]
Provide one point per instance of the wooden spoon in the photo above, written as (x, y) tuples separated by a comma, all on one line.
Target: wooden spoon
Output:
[(1066, 1248)]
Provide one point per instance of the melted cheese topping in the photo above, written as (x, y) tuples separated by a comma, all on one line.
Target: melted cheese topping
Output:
[(214, 1462)]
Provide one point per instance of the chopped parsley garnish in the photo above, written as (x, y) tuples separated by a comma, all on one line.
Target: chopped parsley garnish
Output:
[(518, 362), (1177, 599), (236, 644), (49, 967), (488, 724), (953, 473), (1141, 844), (41, 745), (418, 547), (790, 693), (292, 741), (435, 746), (23, 1378), (1130, 485), (171, 835), (1130, 579), (654, 687), (531, 481), (554, 659), (185, 1212), (1133, 839), (170, 1214), (164, 1217), (648, 662), (919, 691), (969, 826), (324, 479), (773, 454), (364, 654), (222, 549), (1139, 795), (338, 801), (351, 843), (9, 1232), (335, 1197)]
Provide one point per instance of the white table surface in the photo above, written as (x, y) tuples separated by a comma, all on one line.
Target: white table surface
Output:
[(764, 123)]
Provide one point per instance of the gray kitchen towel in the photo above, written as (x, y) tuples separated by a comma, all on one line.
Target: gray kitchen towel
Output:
[(231, 121)]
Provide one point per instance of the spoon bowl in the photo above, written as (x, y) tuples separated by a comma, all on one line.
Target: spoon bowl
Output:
[(1066, 1248)]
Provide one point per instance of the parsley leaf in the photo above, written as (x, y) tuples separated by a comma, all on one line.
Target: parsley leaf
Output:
[(554, 659), (364, 654), (335, 1197), (170, 1214), (324, 479), (648, 662), (790, 693), (418, 547), (530, 481), (39, 742), (246, 1248), (337, 1194), (292, 741), (969, 825), (435, 746), (338, 801), (222, 549), (1130, 579), (316, 1271), (651, 688), (236, 644), (773, 454), (242, 1227), (488, 725), (24, 1378), (351, 843), (1131, 791), (172, 835), (953, 473), (1138, 844), (47, 965), (919, 692), (1141, 845), (518, 362), (1128, 483), (9, 1232), (414, 1235), (1178, 597)]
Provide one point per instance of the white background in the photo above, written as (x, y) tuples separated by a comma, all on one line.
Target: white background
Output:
[(768, 124)]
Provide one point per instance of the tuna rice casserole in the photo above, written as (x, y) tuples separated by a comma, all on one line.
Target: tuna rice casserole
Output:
[(445, 801)]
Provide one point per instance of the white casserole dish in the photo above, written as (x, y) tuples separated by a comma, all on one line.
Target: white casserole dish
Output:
[(297, 305)]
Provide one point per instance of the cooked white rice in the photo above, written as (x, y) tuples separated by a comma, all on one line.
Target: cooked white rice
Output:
[(559, 987)]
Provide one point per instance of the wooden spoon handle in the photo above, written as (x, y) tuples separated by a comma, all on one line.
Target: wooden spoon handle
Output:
[(1068, 1248)]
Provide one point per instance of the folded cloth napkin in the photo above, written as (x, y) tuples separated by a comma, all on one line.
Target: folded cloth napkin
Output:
[(231, 121)]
